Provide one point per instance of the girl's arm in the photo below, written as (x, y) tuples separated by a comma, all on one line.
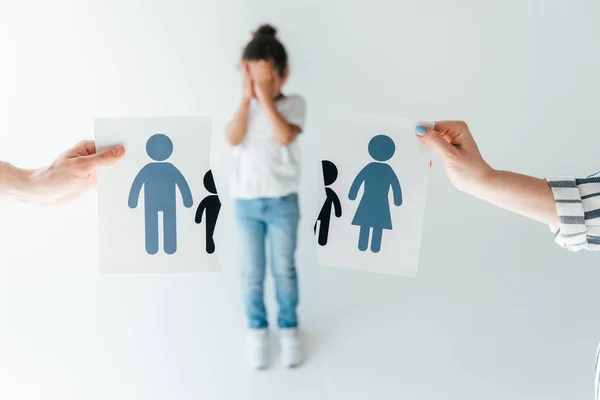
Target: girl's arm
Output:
[(237, 128), (285, 128), (284, 132)]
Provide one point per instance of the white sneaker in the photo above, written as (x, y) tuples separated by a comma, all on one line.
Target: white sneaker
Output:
[(257, 347), (291, 349)]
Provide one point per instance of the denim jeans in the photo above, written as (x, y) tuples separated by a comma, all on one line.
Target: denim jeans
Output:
[(275, 219)]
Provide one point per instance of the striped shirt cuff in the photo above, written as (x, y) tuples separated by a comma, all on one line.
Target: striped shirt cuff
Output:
[(572, 233)]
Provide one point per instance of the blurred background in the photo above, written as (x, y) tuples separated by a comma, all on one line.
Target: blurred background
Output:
[(497, 311)]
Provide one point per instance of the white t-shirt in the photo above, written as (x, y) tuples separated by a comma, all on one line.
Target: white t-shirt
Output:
[(262, 168)]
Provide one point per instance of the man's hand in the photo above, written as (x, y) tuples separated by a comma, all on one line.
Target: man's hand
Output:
[(70, 175)]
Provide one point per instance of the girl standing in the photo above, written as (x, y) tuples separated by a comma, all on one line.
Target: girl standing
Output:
[(264, 184)]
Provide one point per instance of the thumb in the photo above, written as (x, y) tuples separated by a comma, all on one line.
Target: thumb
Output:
[(103, 158), (432, 139)]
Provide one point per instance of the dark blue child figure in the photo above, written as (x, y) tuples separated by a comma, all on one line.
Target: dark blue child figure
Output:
[(374, 208), (160, 181), (330, 174), (211, 205)]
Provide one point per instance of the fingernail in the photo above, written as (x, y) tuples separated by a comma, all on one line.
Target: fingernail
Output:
[(117, 150), (420, 130)]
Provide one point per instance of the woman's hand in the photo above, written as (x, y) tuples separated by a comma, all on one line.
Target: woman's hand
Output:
[(263, 75), (248, 84), (525, 195), (453, 143)]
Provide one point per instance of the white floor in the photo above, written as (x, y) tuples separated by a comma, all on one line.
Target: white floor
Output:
[(68, 332)]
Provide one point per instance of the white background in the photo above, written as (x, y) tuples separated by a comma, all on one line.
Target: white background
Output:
[(122, 229), (498, 311), (399, 254)]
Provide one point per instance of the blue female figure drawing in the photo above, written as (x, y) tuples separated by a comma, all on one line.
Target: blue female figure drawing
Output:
[(374, 208), (160, 181)]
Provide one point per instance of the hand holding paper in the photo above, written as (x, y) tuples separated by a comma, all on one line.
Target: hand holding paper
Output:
[(468, 171), (144, 201), (375, 185), (68, 177), (453, 143)]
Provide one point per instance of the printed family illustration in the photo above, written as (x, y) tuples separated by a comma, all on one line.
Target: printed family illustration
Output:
[(373, 214), (330, 175), (160, 180)]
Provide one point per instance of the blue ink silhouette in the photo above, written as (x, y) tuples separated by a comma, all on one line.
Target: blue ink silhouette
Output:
[(160, 180), (330, 175), (211, 205), (374, 207)]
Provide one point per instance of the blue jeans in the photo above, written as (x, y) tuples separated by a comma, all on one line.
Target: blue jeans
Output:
[(275, 219)]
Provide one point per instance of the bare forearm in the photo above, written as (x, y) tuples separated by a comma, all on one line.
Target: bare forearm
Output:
[(16, 183), (283, 131), (522, 194), (237, 128)]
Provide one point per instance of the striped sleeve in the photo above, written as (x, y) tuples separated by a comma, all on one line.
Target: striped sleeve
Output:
[(578, 207)]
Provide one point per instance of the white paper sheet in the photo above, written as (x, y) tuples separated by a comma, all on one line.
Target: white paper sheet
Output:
[(380, 190), (150, 201)]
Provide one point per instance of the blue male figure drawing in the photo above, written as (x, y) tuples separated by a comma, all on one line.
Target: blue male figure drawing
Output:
[(373, 211), (160, 181)]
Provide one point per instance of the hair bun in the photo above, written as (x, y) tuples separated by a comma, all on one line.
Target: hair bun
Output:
[(266, 30)]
